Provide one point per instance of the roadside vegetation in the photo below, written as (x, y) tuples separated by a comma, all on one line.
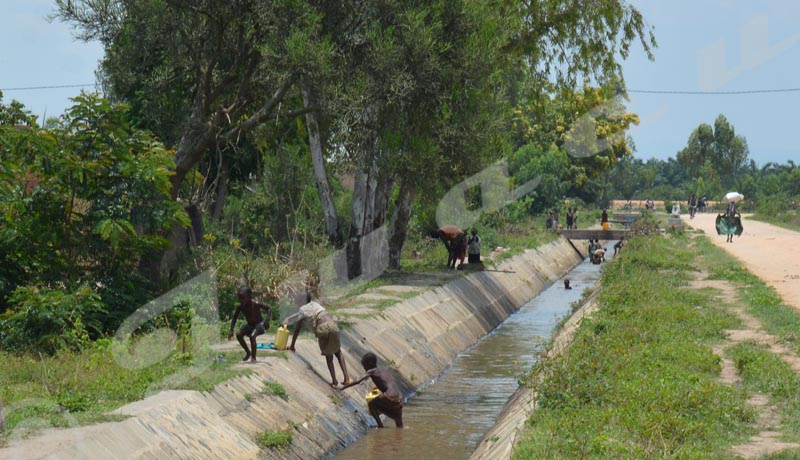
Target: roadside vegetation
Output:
[(640, 379), (788, 218)]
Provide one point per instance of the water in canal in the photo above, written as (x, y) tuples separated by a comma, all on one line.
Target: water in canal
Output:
[(448, 418)]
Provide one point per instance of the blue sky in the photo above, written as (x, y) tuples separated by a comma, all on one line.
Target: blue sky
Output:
[(704, 45)]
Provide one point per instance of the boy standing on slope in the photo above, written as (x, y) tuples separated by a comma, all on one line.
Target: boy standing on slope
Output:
[(256, 325), (390, 402)]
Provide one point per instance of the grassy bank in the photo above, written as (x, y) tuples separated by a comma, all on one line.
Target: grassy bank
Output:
[(73, 389), (641, 380)]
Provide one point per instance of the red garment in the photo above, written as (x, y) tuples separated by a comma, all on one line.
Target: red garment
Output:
[(450, 231)]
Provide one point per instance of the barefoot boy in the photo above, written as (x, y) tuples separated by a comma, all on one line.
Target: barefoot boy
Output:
[(256, 325), (389, 403), (327, 332)]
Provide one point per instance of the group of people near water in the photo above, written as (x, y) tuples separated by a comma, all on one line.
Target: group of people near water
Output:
[(389, 400), (459, 245), (552, 221)]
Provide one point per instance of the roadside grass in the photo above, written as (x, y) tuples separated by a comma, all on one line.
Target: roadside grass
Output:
[(789, 219), (640, 378), (80, 388), (759, 299), (764, 372)]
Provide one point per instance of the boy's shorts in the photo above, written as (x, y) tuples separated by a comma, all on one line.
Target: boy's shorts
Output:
[(248, 329)]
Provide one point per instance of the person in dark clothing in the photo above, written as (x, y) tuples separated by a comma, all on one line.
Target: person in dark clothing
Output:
[(256, 324)]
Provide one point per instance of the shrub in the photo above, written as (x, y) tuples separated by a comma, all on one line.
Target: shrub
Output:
[(50, 319)]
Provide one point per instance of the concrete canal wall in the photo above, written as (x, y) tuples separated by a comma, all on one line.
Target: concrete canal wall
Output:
[(419, 337)]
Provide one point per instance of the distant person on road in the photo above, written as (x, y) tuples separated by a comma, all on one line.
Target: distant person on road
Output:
[(325, 330), (454, 241), (729, 223), (570, 218), (692, 205), (604, 220), (256, 324), (390, 401)]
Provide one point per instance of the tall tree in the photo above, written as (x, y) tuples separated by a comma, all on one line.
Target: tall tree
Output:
[(719, 147), (202, 74)]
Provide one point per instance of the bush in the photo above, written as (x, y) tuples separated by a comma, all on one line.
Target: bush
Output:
[(51, 319)]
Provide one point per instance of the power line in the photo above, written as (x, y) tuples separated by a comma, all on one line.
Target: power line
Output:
[(749, 91), (27, 88)]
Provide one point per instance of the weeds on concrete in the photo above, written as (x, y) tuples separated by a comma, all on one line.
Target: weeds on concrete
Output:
[(275, 388), (274, 439)]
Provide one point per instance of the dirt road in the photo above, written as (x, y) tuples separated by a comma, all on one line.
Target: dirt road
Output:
[(771, 253)]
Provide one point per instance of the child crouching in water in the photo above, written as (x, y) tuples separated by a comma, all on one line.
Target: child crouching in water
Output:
[(390, 402)]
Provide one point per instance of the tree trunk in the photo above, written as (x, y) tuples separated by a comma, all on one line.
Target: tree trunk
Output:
[(320, 173), (197, 230), (222, 189), (369, 202), (400, 218), (356, 226), (381, 206)]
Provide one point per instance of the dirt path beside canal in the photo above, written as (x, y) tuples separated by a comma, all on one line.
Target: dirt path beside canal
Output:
[(772, 253)]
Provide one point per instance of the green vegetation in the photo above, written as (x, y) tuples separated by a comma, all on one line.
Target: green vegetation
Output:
[(787, 216), (77, 388), (274, 388), (274, 439), (640, 379), (765, 373), (714, 162)]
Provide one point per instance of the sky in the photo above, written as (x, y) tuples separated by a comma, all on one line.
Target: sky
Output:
[(703, 45)]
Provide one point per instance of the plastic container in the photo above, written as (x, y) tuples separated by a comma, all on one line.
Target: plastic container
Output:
[(372, 394), (281, 338)]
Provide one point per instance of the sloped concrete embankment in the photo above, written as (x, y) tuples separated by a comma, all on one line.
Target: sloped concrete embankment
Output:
[(419, 336)]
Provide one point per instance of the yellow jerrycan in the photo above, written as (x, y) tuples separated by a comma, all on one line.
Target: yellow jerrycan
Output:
[(281, 338), (372, 394)]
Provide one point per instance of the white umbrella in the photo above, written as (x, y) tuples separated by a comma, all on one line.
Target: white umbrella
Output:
[(733, 197)]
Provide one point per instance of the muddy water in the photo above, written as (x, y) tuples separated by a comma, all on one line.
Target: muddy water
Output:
[(447, 418)]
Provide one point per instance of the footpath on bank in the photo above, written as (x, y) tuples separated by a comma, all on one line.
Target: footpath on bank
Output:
[(770, 252), (286, 398)]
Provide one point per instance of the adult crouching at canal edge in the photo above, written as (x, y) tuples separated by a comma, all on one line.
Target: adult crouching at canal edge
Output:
[(325, 330)]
